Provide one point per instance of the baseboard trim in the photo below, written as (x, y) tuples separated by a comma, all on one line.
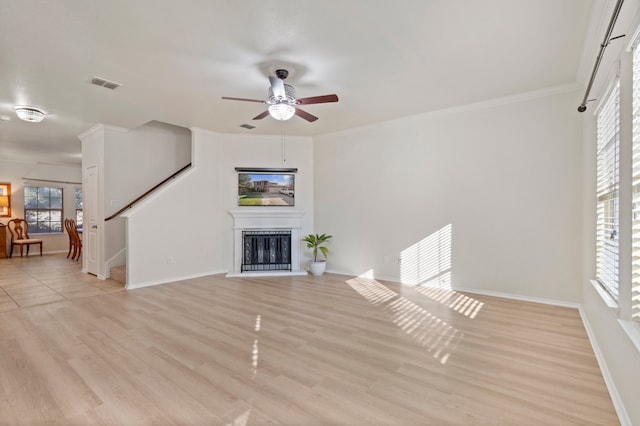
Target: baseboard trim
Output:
[(484, 292), (34, 252), (618, 404), (133, 286), (542, 300)]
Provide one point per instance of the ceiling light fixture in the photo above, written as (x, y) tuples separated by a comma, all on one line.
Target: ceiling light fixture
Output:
[(281, 112), (30, 114)]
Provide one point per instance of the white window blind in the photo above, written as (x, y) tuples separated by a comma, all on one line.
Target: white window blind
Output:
[(635, 265), (607, 227)]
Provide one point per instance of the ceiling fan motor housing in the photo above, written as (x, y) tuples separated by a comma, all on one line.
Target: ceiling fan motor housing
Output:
[(282, 74), (290, 94)]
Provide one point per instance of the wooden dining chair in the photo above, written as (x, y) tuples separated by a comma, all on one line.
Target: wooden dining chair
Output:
[(70, 235), (19, 230), (75, 242)]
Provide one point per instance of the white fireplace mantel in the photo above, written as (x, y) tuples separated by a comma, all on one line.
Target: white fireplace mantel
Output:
[(269, 218), (264, 219)]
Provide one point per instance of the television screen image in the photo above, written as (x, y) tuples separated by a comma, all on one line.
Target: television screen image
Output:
[(266, 189)]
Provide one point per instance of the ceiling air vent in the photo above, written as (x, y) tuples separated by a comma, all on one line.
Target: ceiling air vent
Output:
[(105, 83), (247, 126)]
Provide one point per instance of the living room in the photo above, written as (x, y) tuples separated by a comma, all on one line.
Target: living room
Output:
[(494, 197)]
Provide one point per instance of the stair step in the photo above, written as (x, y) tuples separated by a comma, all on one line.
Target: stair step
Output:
[(119, 273)]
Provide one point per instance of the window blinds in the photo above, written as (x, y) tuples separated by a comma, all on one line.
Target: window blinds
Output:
[(607, 227), (635, 253)]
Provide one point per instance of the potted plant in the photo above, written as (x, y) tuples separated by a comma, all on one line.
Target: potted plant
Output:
[(315, 242)]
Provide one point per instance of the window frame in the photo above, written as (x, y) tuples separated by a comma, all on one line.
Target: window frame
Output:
[(40, 209), (634, 303), (78, 202)]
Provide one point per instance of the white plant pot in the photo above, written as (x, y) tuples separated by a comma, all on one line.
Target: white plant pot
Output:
[(317, 268)]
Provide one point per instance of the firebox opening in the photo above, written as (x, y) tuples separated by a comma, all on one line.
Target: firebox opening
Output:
[(266, 250)]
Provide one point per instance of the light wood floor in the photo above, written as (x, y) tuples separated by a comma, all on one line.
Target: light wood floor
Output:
[(35, 280), (296, 351)]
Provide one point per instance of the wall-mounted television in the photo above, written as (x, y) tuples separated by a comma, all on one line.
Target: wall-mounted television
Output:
[(266, 188)]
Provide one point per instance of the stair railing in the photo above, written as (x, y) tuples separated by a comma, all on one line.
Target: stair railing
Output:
[(131, 204)]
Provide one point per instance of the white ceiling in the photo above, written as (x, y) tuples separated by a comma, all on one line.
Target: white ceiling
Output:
[(175, 59)]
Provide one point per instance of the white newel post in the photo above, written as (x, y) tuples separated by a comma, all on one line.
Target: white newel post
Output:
[(274, 218)]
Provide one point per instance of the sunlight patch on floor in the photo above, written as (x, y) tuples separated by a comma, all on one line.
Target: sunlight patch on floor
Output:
[(456, 301), (241, 420), (432, 333)]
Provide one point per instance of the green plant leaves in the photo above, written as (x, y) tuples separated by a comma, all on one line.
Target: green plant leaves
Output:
[(315, 241)]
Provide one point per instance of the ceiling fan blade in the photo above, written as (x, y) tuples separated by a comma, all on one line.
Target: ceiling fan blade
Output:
[(318, 99), (277, 87), (305, 115), (261, 116), (243, 99)]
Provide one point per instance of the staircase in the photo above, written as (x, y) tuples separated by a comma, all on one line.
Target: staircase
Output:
[(119, 273)]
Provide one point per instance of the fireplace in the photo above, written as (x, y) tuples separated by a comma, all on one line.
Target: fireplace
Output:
[(266, 250), (267, 241)]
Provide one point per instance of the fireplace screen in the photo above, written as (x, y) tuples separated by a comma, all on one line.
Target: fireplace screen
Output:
[(266, 250)]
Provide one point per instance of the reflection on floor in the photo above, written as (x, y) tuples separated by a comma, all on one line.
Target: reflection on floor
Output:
[(35, 280)]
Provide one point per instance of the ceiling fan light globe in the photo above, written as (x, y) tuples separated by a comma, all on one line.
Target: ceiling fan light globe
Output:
[(30, 114), (281, 112)]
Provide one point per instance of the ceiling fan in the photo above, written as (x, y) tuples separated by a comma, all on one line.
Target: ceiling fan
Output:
[(282, 100)]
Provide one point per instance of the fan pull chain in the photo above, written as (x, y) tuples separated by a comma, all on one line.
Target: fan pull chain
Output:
[(283, 146)]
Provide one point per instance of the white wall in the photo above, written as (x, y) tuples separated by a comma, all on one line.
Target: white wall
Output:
[(506, 178), (13, 172), (135, 162), (185, 230), (129, 163)]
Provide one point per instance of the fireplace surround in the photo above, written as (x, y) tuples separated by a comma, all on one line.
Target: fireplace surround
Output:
[(265, 221)]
